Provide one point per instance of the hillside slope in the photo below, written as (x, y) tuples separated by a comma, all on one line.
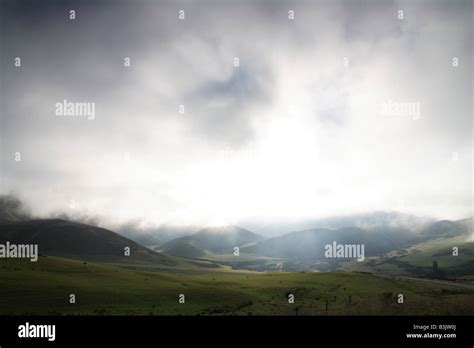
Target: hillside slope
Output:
[(78, 241)]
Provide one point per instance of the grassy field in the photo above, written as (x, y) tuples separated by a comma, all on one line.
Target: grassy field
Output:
[(44, 287)]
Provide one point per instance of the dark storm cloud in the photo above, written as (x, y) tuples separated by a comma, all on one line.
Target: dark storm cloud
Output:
[(222, 107), (83, 60)]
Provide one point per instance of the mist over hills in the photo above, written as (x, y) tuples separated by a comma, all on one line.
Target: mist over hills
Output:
[(446, 228), (57, 237), (380, 233), (372, 220), (12, 209)]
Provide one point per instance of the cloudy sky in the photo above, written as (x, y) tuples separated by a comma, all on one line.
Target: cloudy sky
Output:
[(296, 130)]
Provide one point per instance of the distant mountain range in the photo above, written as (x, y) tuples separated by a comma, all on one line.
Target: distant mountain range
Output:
[(217, 240), (309, 244), (393, 248)]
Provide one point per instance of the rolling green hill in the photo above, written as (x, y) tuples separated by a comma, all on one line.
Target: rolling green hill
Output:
[(79, 241), (418, 259)]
